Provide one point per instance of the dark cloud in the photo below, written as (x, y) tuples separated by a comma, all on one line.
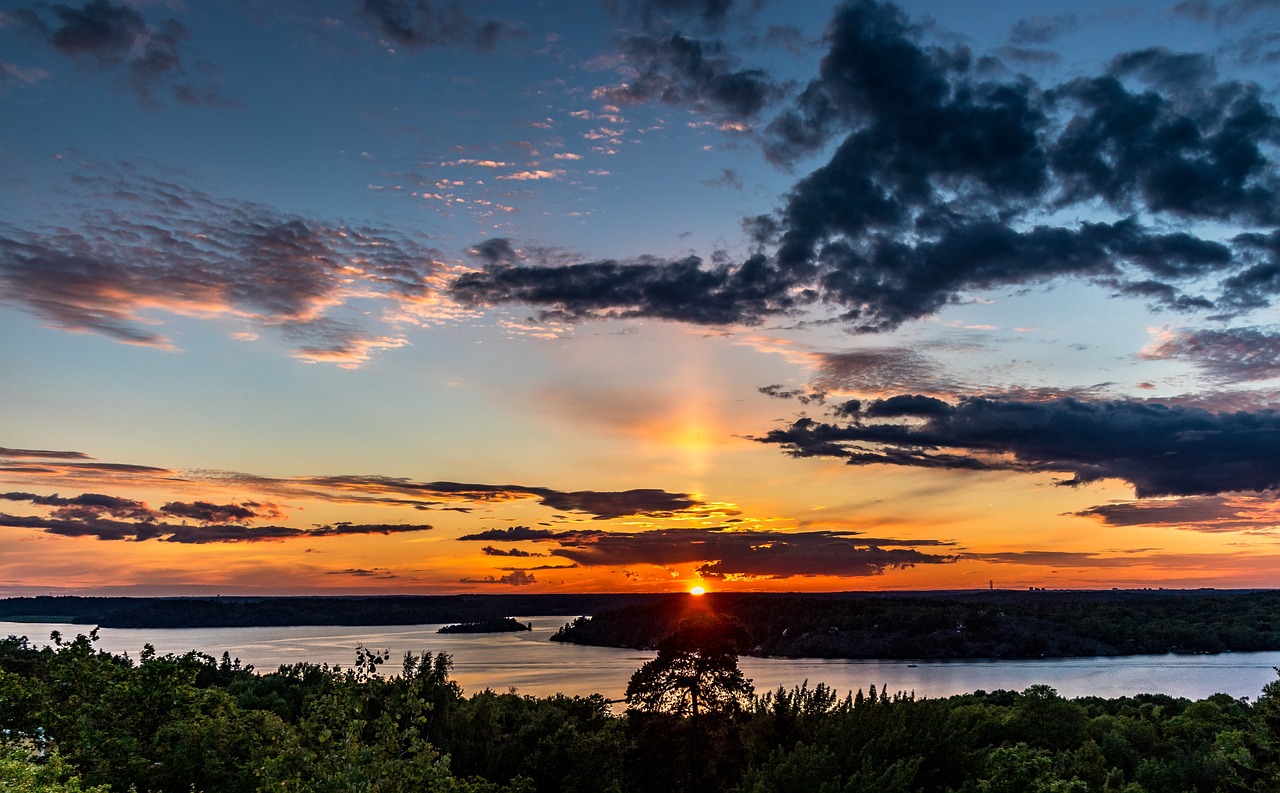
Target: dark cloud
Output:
[(605, 505), (1194, 151), (728, 178), (511, 534), (750, 554), (180, 250), (496, 251), (380, 573), (804, 396), (516, 553), (205, 512), (733, 553), (601, 504), (43, 454), (422, 23), (1236, 512), (666, 62), (1061, 559), (681, 290), (1229, 12), (1159, 449), (85, 505), (1231, 355), (91, 525), (677, 70), (111, 37), (361, 489), (540, 567), (948, 176), (514, 578), (1042, 29)]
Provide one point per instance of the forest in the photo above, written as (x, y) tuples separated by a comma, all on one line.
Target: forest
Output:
[(980, 624), (74, 718)]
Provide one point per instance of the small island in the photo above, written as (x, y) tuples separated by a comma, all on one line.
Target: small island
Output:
[(494, 625)]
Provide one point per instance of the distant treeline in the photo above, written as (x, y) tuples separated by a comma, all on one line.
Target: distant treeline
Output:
[(1030, 624), (242, 612)]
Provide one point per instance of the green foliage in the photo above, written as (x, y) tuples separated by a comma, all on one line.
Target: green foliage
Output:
[(24, 770), (76, 719)]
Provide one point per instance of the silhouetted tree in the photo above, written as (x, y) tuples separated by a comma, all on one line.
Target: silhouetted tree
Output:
[(696, 670)]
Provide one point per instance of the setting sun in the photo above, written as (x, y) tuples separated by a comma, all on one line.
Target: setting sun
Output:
[(697, 591)]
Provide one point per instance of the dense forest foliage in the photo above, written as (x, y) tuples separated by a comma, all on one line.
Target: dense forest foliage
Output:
[(963, 625), (73, 718)]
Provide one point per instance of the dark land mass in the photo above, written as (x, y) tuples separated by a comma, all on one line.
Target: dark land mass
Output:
[(981, 624), (499, 625), (242, 612), (916, 625)]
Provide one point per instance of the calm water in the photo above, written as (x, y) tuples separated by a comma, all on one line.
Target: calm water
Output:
[(531, 664)]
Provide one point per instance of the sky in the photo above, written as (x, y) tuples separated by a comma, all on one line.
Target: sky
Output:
[(409, 296)]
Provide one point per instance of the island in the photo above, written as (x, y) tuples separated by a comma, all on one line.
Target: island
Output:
[(495, 625)]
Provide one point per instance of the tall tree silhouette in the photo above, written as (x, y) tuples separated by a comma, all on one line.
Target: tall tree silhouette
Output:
[(696, 670)]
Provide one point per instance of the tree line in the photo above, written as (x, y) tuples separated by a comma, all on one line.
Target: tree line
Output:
[(1019, 624), (74, 718)]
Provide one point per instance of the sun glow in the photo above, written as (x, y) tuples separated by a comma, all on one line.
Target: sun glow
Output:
[(697, 591)]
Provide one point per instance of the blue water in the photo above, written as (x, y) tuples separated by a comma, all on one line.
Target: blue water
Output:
[(530, 664)]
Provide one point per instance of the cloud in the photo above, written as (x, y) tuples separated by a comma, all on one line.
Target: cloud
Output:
[(727, 553), (1061, 559), (878, 370), (43, 454), (948, 174), (110, 37), (532, 175), (1229, 12), (380, 573), (514, 578), (1225, 513), (1042, 29), (178, 251), (678, 70), (205, 512), (516, 553), (62, 467), (1230, 355), (510, 534), (728, 178), (90, 525), (1161, 450), (600, 504), (421, 23), (681, 290)]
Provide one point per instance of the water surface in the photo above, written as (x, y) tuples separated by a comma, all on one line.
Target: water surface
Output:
[(531, 664)]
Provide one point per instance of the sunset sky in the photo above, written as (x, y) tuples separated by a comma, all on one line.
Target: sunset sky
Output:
[(404, 296)]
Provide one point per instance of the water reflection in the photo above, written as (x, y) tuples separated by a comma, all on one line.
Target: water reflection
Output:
[(531, 664)]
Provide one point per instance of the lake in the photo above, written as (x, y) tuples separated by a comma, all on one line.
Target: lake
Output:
[(531, 664)]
